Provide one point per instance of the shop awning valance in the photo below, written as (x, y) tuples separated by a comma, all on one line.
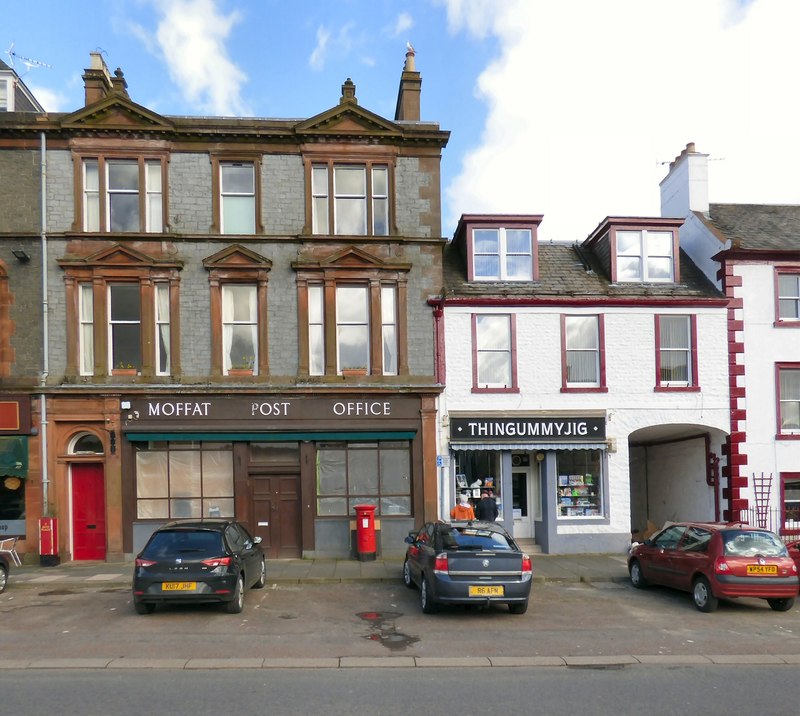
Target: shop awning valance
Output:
[(14, 455), (527, 446), (272, 437)]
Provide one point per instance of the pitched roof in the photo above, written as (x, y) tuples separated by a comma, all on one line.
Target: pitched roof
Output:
[(568, 271), (772, 227)]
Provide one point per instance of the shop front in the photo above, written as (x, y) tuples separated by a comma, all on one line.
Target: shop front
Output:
[(15, 426), (291, 467), (549, 475)]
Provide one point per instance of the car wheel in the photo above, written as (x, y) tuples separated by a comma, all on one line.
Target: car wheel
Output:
[(704, 599), (425, 600), (235, 605), (3, 577), (262, 578), (518, 608), (637, 578), (407, 580), (143, 607), (779, 605)]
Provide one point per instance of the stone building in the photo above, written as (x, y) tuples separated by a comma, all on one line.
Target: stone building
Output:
[(222, 317)]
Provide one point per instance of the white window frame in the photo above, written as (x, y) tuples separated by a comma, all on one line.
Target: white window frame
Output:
[(485, 348), (112, 322), (233, 195), (503, 255), (594, 350), (7, 99), (86, 328), (664, 349), (230, 323), (327, 196), (644, 256), (389, 329), (793, 400), (343, 324), (316, 329), (785, 298)]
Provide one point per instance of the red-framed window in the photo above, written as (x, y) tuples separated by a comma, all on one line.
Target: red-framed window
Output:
[(494, 353), (787, 296), (676, 353), (790, 503), (583, 354), (787, 391)]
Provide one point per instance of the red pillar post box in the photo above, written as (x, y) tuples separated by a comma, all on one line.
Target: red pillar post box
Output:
[(48, 541), (365, 532)]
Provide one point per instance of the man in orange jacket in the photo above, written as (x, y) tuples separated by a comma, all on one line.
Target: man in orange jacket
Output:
[(463, 510)]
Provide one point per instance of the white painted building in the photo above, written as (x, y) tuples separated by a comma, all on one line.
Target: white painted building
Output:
[(752, 252), (583, 382)]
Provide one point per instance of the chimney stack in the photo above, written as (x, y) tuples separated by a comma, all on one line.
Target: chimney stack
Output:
[(410, 88), (685, 188), (97, 81)]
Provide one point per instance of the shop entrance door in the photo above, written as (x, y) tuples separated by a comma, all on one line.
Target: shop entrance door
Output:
[(88, 511), (276, 514), (522, 502)]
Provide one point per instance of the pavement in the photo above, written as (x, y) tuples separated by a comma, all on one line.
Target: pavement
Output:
[(546, 568)]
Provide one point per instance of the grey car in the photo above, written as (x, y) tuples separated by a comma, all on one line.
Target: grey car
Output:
[(467, 563)]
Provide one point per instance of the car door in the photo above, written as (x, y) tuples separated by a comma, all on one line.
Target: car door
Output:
[(690, 556), (236, 544), (656, 559), (251, 555), (419, 553)]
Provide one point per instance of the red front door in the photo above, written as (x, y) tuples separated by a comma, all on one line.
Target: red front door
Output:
[(88, 512)]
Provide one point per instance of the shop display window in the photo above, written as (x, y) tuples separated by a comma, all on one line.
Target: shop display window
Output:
[(184, 480), (350, 474), (477, 470), (579, 483)]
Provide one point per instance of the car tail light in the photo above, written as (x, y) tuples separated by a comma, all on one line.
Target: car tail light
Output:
[(721, 567), (440, 564), (527, 567), (144, 562), (216, 562)]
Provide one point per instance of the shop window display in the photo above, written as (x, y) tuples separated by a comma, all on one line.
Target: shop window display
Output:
[(579, 486), (477, 470), (184, 480)]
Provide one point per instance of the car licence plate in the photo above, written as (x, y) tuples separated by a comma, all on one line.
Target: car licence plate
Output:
[(178, 586), (762, 569), (485, 591)]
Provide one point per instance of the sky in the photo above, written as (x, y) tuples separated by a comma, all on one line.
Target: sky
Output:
[(568, 108)]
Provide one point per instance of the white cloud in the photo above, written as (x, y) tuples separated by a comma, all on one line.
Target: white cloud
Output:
[(317, 59), (403, 23), (586, 99), (192, 36), (51, 100)]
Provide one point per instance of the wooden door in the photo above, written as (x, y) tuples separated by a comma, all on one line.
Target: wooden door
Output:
[(276, 514), (88, 511)]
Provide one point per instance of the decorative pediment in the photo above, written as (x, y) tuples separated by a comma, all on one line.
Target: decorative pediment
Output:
[(352, 257), (237, 256), (120, 255), (116, 112), (347, 119)]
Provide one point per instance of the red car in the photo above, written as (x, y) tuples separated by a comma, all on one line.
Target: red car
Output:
[(794, 552), (717, 560)]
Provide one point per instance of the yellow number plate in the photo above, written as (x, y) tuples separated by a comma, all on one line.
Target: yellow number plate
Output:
[(485, 591), (762, 568), (178, 586)]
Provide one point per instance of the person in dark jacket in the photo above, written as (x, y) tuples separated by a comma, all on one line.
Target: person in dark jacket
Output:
[(486, 509)]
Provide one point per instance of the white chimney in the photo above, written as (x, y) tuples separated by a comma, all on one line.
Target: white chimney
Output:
[(685, 188)]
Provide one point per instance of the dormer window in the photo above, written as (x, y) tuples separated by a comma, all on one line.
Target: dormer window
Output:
[(502, 254), (644, 256), (499, 247)]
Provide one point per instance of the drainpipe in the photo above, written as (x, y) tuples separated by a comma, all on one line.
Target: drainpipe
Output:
[(45, 332)]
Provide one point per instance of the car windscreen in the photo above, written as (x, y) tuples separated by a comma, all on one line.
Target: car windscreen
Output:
[(750, 543), (471, 538), (190, 543)]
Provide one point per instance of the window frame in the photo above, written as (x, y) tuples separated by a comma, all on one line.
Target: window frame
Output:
[(502, 253), (644, 255), (91, 277), (693, 384), (780, 320), (794, 529), (351, 267), (228, 324), (103, 160), (793, 433), (571, 387), (217, 161), (317, 194), (510, 350)]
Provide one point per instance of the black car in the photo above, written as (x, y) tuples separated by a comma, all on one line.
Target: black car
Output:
[(5, 568), (198, 561), (467, 563)]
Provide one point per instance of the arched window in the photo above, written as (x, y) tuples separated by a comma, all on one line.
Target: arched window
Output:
[(86, 444)]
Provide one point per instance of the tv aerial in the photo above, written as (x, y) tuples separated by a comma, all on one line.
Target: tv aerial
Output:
[(27, 61)]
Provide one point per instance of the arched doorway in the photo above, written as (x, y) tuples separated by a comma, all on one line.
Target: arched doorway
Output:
[(87, 499)]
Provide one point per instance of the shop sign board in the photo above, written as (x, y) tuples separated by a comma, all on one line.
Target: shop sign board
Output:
[(527, 428)]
